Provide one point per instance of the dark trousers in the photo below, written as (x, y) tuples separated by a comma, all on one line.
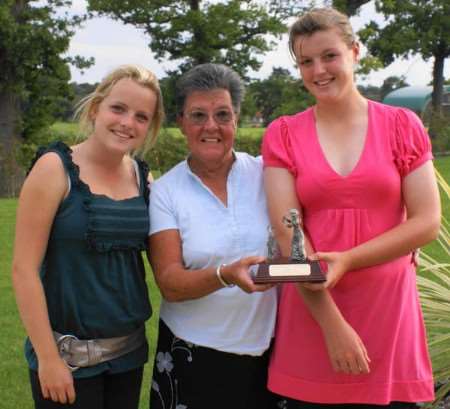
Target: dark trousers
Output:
[(295, 404), (104, 391)]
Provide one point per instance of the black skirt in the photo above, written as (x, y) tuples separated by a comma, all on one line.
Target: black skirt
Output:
[(188, 376)]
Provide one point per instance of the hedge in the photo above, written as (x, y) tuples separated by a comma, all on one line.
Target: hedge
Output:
[(171, 147)]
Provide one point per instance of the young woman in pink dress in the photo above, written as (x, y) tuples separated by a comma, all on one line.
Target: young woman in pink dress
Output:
[(361, 175)]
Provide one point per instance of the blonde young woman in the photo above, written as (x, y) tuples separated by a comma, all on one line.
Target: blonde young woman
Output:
[(78, 274), (361, 175)]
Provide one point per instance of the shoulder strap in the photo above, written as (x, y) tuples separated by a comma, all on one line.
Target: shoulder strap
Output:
[(143, 176)]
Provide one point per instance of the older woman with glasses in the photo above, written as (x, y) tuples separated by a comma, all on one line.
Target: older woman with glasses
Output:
[(208, 226)]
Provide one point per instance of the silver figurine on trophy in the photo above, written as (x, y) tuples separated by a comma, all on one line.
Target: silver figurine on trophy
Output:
[(296, 267)]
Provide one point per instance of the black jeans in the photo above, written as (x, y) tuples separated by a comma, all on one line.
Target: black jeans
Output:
[(104, 391)]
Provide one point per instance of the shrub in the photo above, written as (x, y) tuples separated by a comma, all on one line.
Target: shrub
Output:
[(435, 298), (440, 131), (171, 147)]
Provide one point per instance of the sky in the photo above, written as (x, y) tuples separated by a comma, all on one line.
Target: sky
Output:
[(112, 43)]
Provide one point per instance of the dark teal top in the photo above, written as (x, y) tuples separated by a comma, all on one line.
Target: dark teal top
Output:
[(93, 272)]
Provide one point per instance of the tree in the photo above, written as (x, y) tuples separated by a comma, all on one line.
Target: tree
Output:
[(33, 76), (233, 32), (279, 94), (349, 7), (167, 85), (68, 103), (413, 27), (289, 8), (370, 91), (390, 84)]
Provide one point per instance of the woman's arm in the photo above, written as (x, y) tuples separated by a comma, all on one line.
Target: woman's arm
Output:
[(42, 192), (179, 284), (345, 348), (421, 196)]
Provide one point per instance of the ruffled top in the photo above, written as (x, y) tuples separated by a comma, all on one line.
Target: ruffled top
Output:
[(93, 272), (341, 212), (107, 220)]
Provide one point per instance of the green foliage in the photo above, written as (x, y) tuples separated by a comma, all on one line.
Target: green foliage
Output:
[(434, 287), (367, 64), (279, 94), (65, 132), (232, 32), (349, 7), (171, 147), (33, 41), (440, 130), (412, 27), (68, 104), (34, 76), (167, 85), (390, 84)]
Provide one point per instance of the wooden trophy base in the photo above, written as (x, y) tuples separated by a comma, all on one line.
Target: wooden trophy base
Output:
[(284, 270)]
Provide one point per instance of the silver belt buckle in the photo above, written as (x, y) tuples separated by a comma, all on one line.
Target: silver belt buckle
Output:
[(63, 349)]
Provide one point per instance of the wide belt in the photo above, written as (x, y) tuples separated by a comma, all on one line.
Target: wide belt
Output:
[(80, 353)]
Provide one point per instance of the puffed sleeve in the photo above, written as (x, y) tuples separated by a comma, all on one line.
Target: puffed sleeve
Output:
[(161, 211), (277, 148), (411, 144)]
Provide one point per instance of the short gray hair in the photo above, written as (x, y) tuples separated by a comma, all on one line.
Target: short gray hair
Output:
[(208, 77)]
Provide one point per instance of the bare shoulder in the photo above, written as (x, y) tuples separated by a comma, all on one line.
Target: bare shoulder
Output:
[(47, 177), (49, 162)]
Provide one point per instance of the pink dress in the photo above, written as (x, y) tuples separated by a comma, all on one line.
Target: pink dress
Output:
[(380, 302)]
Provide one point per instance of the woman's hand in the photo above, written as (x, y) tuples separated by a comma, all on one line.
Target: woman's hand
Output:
[(346, 350), (238, 273), (56, 381), (338, 265)]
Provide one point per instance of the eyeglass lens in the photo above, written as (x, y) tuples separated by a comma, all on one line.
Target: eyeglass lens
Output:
[(222, 116)]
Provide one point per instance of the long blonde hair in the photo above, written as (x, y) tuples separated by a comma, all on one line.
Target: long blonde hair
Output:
[(142, 76)]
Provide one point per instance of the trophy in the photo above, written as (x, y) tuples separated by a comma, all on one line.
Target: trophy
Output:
[(295, 268)]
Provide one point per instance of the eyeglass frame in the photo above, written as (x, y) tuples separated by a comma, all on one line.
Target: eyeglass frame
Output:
[(202, 122)]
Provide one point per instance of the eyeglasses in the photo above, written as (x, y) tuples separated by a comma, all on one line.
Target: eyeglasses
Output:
[(221, 117)]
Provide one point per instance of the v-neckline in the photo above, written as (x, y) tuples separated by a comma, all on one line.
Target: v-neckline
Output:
[(363, 151)]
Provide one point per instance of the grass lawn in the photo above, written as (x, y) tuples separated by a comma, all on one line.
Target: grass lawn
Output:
[(14, 387)]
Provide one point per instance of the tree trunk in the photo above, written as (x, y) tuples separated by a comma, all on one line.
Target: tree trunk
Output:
[(438, 83), (11, 174), (436, 118), (201, 56)]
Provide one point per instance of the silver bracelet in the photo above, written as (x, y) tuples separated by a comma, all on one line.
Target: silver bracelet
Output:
[(220, 278)]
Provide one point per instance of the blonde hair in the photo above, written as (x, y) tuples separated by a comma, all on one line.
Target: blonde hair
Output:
[(141, 76), (320, 19)]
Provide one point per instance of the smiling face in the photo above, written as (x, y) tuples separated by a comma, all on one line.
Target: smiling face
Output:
[(122, 118), (326, 64), (209, 124)]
